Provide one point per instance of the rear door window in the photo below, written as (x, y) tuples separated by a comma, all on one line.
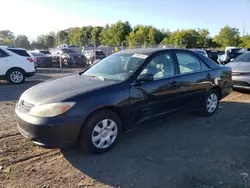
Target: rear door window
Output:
[(189, 63), (19, 52), (3, 54)]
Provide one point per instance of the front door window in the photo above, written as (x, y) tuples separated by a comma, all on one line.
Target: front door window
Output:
[(161, 66)]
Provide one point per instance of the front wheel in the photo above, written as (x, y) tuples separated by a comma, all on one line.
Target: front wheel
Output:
[(101, 131), (211, 103)]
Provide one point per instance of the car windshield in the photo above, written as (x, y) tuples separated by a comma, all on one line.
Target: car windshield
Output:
[(68, 51), (37, 54), (117, 67), (99, 53), (45, 52), (242, 58), (89, 52)]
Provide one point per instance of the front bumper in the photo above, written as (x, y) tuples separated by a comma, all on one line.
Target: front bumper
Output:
[(76, 60), (242, 82), (51, 132)]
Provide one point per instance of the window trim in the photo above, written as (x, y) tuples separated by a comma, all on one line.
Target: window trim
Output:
[(5, 52), (191, 54)]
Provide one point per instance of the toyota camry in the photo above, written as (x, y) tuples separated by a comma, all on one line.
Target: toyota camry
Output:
[(126, 90)]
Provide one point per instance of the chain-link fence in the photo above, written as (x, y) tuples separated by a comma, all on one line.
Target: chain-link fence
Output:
[(108, 50)]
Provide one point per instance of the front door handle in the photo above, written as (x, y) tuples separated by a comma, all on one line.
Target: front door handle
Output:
[(208, 76), (174, 83)]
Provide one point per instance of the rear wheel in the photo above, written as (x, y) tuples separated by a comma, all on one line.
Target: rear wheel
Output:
[(211, 103), (15, 76), (100, 132)]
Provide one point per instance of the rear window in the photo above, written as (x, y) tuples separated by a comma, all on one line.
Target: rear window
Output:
[(19, 52)]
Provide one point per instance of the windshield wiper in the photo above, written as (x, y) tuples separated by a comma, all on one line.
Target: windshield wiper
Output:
[(94, 76)]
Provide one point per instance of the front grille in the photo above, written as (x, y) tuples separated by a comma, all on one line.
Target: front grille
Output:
[(24, 106), (241, 83), (77, 58)]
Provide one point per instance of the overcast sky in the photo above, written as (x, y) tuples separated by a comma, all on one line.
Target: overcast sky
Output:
[(35, 17)]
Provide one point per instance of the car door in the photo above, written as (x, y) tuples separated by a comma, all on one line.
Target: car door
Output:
[(4, 62), (153, 100), (194, 79)]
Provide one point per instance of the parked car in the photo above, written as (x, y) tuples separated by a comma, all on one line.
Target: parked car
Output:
[(42, 60), (93, 55), (15, 65), (213, 54), (127, 89), (241, 71), (229, 55), (68, 57), (200, 51)]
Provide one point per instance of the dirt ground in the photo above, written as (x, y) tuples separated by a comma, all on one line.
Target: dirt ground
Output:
[(186, 151)]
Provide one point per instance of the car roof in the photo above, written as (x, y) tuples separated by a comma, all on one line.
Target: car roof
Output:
[(146, 51), (197, 49), (11, 47), (16, 48), (149, 51)]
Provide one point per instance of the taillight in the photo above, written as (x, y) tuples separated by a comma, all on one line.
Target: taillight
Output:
[(30, 60)]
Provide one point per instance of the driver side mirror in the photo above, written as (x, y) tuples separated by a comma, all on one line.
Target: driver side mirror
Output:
[(145, 78)]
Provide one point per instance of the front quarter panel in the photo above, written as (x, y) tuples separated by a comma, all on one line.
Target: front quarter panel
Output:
[(114, 97)]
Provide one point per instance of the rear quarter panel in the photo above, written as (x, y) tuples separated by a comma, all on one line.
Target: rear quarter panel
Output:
[(223, 79), (25, 64)]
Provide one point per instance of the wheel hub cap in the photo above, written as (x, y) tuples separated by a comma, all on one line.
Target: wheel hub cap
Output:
[(212, 103), (104, 133), (16, 76)]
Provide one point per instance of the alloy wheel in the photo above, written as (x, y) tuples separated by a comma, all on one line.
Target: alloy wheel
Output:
[(16, 77), (212, 102)]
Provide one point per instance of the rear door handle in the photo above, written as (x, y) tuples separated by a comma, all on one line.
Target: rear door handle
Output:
[(208, 75)]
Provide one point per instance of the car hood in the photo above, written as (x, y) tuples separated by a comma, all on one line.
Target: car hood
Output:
[(73, 54), (240, 66), (57, 90)]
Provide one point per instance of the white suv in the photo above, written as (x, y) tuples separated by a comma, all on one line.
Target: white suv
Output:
[(16, 64)]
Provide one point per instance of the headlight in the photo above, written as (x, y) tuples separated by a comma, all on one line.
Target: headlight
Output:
[(51, 110)]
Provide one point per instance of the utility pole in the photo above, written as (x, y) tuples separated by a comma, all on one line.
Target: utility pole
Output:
[(14, 41), (144, 41), (244, 28)]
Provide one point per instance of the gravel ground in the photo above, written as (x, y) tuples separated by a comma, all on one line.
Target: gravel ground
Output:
[(185, 151)]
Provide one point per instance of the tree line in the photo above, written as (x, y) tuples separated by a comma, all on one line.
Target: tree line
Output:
[(122, 34)]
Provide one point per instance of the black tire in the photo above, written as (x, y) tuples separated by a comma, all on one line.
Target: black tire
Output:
[(88, 130), (205, 106), (20, 72)]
